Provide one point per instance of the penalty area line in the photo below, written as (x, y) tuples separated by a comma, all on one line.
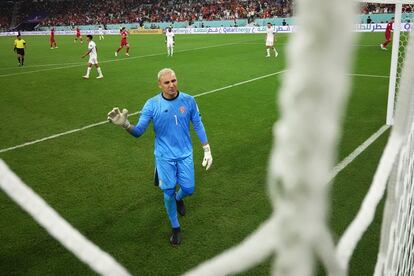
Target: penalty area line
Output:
[(360, 149), (54, 136)]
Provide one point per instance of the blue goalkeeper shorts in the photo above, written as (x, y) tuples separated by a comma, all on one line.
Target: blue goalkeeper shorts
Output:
[(171, 173)]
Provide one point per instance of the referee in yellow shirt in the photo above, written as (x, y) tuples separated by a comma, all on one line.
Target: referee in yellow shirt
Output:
[(19, 46)]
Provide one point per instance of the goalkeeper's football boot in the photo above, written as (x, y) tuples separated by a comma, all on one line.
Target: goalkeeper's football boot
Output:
[(180, 207), (175, 238)]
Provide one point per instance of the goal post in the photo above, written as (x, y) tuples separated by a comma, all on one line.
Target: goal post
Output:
[(394, 64), (397, 52), (395, 172)]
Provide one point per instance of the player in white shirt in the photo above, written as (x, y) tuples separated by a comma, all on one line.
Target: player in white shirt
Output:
[(270, 39), (101, 33), (170, 40), (93, 58)]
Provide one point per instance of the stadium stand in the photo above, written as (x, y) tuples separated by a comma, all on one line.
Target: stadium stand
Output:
[(159, 14), (5, 14)]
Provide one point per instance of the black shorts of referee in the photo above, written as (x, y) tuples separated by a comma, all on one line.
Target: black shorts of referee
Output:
[(20, 51)]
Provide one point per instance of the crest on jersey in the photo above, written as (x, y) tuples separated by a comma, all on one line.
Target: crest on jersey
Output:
[(182, 109)]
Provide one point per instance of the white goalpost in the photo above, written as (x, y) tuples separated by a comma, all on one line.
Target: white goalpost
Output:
[(399, 43)]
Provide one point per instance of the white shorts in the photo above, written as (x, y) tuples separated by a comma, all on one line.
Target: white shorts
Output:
[(170, 44), (93, 60), (269, 42), (101, 33)]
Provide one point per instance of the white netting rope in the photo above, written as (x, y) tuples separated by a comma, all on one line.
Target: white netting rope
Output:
[(396, 255), (98, 260), (312, 102), (406, 17), (399, 258), (389, 169)]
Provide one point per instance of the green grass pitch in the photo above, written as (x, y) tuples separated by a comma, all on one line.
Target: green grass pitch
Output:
[(101, 179)]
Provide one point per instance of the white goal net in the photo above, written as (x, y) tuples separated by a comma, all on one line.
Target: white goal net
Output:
[(312, 101)]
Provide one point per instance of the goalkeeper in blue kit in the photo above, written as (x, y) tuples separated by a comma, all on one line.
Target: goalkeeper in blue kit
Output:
[(171, 112)]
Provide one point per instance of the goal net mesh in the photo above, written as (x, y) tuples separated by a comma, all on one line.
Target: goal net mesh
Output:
[(396, 254), (312, 101)]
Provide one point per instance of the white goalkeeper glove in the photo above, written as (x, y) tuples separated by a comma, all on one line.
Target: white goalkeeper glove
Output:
[(119, 118), (208, 159)]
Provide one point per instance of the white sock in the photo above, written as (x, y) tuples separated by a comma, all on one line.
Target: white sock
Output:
[(268, 51), (99, 71), (274, 49), (168, 50), (172, 51), (88, 71)]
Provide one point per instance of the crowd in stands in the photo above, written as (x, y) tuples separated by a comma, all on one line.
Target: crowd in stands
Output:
[(371, 8), (103, 12), (6, 9), (80, 12)]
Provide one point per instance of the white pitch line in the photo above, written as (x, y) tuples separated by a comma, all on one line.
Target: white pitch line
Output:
[(370, 76), (132, 114), (361, 148), (41, 65), (112, 60)]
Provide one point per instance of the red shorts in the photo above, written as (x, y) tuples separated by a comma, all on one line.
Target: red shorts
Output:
[(124, 42), (78, 35), (52, 40), (388, 36)]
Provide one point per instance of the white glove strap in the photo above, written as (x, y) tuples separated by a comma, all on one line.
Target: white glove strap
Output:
[(206, 148), (126, 125)]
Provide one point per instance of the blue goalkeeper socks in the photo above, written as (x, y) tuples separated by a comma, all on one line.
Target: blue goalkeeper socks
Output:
[(171, 207), (180, 195), (184, 192)]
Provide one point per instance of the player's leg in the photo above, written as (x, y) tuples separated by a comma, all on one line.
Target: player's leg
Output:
[(98, 68), (185, 181), (267, 51), (88, 71), (18, 56), (22, 57), (127, 50), (167, 177), (51, 44), (81, 40), (172, 49), (19, 59), (387, 42), (170, 206), (275, 51), (168, 49), (119, 49)]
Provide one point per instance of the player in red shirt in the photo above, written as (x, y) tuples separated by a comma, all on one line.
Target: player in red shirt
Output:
[(78, 36), (388, 34), (52, 39), (124, 42)]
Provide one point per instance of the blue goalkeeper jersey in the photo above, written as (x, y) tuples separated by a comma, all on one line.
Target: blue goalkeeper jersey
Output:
[(171, 120)]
